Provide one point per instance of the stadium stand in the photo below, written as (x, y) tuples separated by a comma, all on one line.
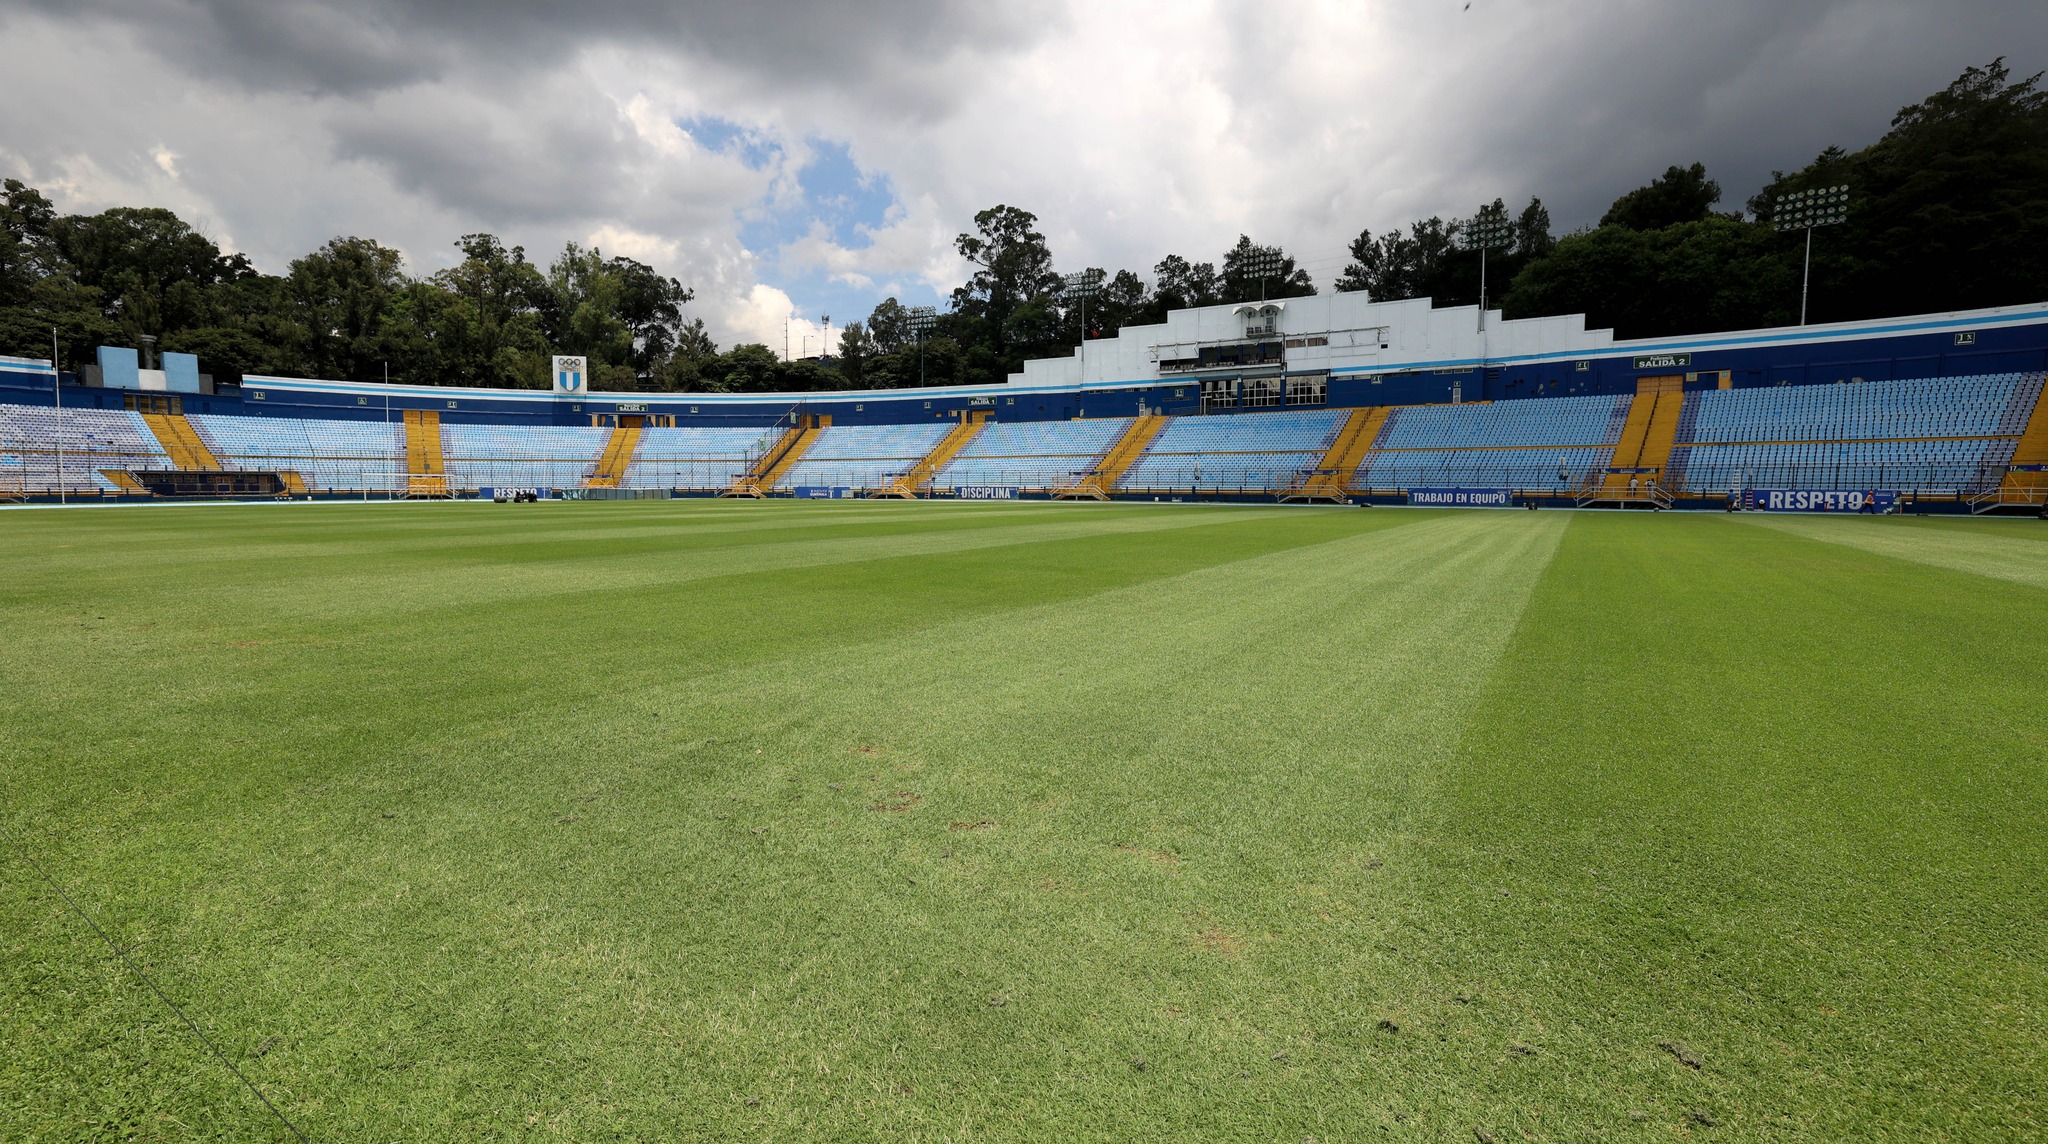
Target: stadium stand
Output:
[(89, 440), (1249, 451), (697, 458), (862, 456), (1936, 436), (1033, 454), (1966, 437), (328, 456), (1523, 444), (917, 480), (522, 456)]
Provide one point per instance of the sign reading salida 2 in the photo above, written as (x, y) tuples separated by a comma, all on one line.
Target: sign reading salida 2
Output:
[(1663, 361)]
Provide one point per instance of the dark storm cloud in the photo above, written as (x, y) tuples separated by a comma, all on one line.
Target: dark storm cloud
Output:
[(1615, 92), (351, 49), (1133, 130)]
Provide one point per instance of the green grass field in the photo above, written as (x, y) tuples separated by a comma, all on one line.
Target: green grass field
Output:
[(720, 821)]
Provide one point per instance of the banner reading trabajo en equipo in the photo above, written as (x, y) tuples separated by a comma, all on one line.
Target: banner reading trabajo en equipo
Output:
[(1815, 500), (1463, 498), (985, 492)]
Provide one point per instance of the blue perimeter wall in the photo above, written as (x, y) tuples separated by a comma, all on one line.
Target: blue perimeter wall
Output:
[(1923, 347)]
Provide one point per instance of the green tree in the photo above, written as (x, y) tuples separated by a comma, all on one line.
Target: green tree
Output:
[(855, 348), (491, 334), (345, 291), (1397, 265), (26, 255), (1679, 195), (1713, 274), (1013, 269), (1948, 211), (1125, 300), (1178, 284), (889, 325), (150, 267)]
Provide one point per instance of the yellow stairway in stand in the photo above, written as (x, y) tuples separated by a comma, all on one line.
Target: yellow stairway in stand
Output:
[(780, 457), (124, 480), (1128, 448), (181, 443), (1649, 432), (1347, 451), (426, 470), (1663, 432), (2032, 449), (919, 478), (618, 453)]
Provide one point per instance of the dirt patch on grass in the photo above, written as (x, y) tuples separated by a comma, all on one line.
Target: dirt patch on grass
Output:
[(984, 824), (867, 750), (1684, 1053), (1160, 857), (1216, 939), (899, 801)]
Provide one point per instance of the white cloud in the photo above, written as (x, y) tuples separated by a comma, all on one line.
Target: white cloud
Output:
[(1132, 129)]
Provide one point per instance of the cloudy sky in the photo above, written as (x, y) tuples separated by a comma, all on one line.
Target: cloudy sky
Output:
[(814, 157)]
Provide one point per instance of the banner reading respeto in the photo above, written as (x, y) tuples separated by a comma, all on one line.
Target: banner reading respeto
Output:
[(1819, 500)]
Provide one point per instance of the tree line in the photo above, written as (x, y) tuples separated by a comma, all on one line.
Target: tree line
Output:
[(1948, 210)]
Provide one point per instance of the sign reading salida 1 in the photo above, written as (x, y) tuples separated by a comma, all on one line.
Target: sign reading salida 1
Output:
[(1463, 498), (1816, 500)]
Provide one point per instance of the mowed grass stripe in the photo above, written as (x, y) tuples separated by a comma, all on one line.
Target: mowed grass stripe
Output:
[(495, 830), (468, 657), (338, 586), (1774, 801), (134, 799), (1054, 877), (2001, 549), (327, 531)]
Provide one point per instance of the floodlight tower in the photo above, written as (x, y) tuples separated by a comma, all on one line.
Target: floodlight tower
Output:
[(1804, 210), (923, 319), (1483, 233), (1265, 262), (1081, 286)]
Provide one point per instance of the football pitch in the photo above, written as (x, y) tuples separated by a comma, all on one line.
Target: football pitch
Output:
[(785, 821)]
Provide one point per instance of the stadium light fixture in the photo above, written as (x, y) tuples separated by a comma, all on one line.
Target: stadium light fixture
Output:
[(1804, 210), (1081, 285), (923, 320), (1265, 262), (1483, 232)]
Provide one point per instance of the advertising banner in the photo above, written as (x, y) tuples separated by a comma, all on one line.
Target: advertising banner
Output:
[(824, 492), (985, 492), (1463, 498), (493, 492), (1814, 500)]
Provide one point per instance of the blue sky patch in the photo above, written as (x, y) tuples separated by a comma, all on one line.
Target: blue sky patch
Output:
[(835, 193)]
